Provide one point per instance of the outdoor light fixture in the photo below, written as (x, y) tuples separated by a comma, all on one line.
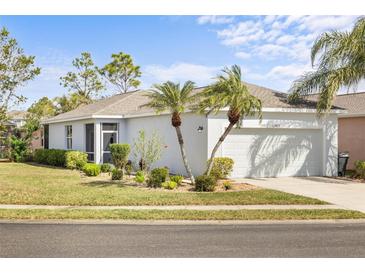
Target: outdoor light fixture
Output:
[(200, 129)]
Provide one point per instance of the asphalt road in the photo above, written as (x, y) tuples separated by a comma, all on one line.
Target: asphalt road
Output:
[(122, 240)]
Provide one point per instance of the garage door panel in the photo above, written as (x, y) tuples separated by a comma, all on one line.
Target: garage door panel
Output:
[(274, 152)]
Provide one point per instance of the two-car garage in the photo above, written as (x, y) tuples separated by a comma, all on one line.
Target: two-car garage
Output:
[(275, 152)]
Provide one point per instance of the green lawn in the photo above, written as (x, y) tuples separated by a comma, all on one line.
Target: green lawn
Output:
[(30, 184), (34, 214)]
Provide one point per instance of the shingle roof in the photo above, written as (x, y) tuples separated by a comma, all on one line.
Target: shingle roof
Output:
[(131, 102), (354, 102), (17, 114)]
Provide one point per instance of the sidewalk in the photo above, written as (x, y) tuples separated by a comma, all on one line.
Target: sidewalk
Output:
[(176, 207)]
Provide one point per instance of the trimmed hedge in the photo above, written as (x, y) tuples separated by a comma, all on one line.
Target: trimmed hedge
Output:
[(222, 167), (52, 157), (61, 157), (76, 159), (91, 169), (205, 183)]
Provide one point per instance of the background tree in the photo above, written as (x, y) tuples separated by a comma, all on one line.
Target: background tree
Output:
[(67, 103), (16, 69), (39, 110), (341, 63), (169, 96), (122, 72), (228, 92), (85, 82)]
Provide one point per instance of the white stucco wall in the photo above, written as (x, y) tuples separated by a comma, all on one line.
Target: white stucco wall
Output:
[(57, 134), (327, 125), (195, 142), (199, 145)]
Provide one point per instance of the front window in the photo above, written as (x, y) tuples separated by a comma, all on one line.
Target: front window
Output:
[(90, 142), (68, 137)]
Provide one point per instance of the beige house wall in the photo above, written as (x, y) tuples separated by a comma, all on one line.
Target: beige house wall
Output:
[(351, 138)]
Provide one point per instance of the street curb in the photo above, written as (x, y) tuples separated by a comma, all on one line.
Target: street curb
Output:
[(182, 222)]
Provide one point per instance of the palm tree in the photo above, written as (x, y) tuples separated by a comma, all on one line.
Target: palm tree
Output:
[(228, 92), (169, 96), (341, 63)]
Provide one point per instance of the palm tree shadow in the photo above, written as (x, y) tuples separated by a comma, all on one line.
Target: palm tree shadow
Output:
[(281, 154)]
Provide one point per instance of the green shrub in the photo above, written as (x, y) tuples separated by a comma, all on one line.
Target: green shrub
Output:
[(18, 149), (53, 157), (169, 185), (128, 168), (222, 167), (76, 159), (106, 168), (92, 169), (157, 177), (117, 174), (205, 183), (360, 169), (120, 153), (139, 177), (40, 156), (227, 185), (177, 178)]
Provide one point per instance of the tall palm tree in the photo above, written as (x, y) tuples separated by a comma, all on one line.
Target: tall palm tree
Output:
[(169, 96), (228, 92), (341, 63)]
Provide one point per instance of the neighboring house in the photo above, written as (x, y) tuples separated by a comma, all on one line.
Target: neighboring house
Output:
[(351, 126), (17, 117), (288, 141)]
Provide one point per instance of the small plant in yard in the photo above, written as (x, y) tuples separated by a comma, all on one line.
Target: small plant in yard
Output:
[(222, 167), (227, 185), (169, 185), (105, 168), (157, 177), (177, 178), (360, 169), (117, 174), (19, 149), (76, 159), (120, 153), (205, 183), (91, 169), (146, 150), (140, 178)]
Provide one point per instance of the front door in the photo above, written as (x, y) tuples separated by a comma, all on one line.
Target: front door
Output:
[(109, 136)]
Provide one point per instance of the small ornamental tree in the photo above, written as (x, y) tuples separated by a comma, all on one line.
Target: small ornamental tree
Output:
[(147, 150), (120, 153)]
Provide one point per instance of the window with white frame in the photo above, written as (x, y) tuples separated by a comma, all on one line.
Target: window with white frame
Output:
[(68, 137)]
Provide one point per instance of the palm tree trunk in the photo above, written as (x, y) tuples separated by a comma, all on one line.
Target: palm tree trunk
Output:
[(183, 154), (217, 145)]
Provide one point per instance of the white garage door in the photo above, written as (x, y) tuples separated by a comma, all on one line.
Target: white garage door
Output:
[(274, 152)]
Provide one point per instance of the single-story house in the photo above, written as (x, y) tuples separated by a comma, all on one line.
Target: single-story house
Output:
[(289, 140), (351, 126)]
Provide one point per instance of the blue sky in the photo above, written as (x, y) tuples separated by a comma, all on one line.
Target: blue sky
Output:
[(272, 50)]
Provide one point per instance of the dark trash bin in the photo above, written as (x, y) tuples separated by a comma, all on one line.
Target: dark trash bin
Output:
[(343, 157)]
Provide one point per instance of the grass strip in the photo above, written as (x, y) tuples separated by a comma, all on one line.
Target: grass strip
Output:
[(36, 214)]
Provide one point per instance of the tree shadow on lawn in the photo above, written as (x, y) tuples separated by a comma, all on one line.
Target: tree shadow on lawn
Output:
[(45, 166), (104, 183)]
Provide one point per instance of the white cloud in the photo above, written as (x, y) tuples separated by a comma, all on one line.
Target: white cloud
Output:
[(318, 23), (214, 19), (180, 72), (242, 55), (288, 72)]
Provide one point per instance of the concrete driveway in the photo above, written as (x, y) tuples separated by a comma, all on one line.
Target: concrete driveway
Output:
[(335, 191)]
